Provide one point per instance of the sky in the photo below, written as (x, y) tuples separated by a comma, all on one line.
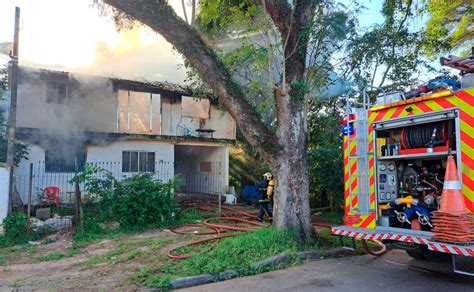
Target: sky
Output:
[(72, 36)]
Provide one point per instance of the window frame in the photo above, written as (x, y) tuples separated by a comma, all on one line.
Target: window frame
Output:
[(56, 99), (136, 167)]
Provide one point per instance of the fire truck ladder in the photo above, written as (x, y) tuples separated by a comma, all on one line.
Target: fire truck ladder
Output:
[(361, 156)]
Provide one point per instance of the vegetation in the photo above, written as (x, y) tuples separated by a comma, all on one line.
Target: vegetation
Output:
[(16, 230), (135, 201), (449, 25), (230, 253)]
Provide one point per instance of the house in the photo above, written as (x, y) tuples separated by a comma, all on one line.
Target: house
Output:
[(124, 126)]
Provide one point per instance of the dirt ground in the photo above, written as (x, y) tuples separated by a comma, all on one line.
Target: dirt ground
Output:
[(101, 265)]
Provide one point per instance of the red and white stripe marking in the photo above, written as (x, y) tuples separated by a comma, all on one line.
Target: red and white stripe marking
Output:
[(435, 246)]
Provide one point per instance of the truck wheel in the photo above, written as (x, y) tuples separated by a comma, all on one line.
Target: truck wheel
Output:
[(415, 253), (434, 256)]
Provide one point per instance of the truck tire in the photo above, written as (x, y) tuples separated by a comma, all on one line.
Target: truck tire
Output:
[(416, 254)]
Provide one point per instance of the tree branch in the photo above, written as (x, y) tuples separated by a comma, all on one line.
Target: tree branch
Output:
[(161, 18)]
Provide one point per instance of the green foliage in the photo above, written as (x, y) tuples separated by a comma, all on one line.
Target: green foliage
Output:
[(238, 252), (449, 25), (388, 53), (135, 201), (220, 16), (54, 256), (325, 164), (16, 230)]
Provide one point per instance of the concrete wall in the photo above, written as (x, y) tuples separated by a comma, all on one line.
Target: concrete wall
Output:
[(108, 156), (91, 105), (4, 182)]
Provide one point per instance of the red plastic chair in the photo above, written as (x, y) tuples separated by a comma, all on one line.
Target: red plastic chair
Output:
[(52, 194)]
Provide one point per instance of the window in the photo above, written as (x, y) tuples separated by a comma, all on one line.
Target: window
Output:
[(139, 112), (61, 158), (138, 161), (57, 92)]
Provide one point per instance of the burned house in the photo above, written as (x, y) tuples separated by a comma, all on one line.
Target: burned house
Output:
[(124, 126)]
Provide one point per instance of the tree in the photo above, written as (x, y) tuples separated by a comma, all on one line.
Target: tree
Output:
[(285, 146), (325, 156), (389, 54), (449, 25)]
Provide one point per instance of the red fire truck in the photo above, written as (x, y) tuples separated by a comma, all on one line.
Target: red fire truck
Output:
[(395, 154)]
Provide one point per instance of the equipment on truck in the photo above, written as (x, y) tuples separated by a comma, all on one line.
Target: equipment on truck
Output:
[(399, 159)]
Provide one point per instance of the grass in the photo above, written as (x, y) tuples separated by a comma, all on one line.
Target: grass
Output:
[(3, 258), (54, 256), (238, 252)]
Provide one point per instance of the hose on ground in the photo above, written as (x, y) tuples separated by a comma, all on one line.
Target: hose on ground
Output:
[(377, 253), (365, 246)]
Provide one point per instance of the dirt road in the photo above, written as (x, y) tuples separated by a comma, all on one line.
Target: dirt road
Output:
[(395, 271)]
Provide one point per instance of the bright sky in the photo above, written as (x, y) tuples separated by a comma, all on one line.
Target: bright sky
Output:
[(71, 35)]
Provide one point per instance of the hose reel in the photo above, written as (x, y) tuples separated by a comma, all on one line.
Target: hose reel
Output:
[(425, 135)]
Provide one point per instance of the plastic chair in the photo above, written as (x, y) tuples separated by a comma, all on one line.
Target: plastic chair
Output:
[(52, 194)]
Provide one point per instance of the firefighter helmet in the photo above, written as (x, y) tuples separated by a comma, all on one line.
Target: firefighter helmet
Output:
[(267, 176)]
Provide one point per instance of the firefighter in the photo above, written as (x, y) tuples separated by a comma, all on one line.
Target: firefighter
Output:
[(266, 195)]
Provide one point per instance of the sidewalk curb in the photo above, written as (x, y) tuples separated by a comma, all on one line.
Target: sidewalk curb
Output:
[(283, 259)]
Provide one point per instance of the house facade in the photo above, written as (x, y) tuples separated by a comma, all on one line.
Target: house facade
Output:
[(123, 126)]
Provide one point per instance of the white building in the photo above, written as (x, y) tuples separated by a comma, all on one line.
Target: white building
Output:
[(124, 126)]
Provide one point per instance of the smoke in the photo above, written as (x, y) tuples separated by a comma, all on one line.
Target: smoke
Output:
[(140, 54), (88, 106), (137, 54)]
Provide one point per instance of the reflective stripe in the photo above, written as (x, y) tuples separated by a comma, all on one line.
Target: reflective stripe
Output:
[(452, 185)]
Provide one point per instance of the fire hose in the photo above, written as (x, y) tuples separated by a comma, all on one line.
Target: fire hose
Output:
[(214, 228), (217, 229), (365, 246)]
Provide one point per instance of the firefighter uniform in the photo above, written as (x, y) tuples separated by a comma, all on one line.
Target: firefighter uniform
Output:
[(266, 195)]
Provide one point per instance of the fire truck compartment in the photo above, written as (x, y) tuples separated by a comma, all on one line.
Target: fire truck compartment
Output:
[(410, 164)]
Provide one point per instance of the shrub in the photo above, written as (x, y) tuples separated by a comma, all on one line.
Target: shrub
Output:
[(135, 201), (16, 229)]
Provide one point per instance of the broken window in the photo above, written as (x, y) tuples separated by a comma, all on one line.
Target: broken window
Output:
[(57, 92), (195, 108), (139, 112), (138, 161), (64, 158)]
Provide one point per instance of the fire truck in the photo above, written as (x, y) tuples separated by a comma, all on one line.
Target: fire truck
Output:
[(395, 157)]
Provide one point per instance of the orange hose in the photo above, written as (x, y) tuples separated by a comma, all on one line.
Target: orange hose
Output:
[(214, 230), (365, 246), (235, 228), (377, 253), (181, 257)]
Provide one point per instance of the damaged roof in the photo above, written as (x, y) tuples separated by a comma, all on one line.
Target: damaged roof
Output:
[(121, 83)]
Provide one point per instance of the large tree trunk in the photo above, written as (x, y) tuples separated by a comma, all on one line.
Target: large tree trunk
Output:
[(291, 205)]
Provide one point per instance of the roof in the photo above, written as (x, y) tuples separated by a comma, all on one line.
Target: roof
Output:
[(126, 83)]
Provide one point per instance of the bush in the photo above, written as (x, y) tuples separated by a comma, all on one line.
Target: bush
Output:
[(135, 201), (16, 229), (139, 200)]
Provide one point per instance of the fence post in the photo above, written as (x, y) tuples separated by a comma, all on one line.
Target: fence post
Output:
[(30, 190), (79, 213)]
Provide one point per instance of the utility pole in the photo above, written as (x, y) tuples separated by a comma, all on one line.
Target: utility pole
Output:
[(13, 100)]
